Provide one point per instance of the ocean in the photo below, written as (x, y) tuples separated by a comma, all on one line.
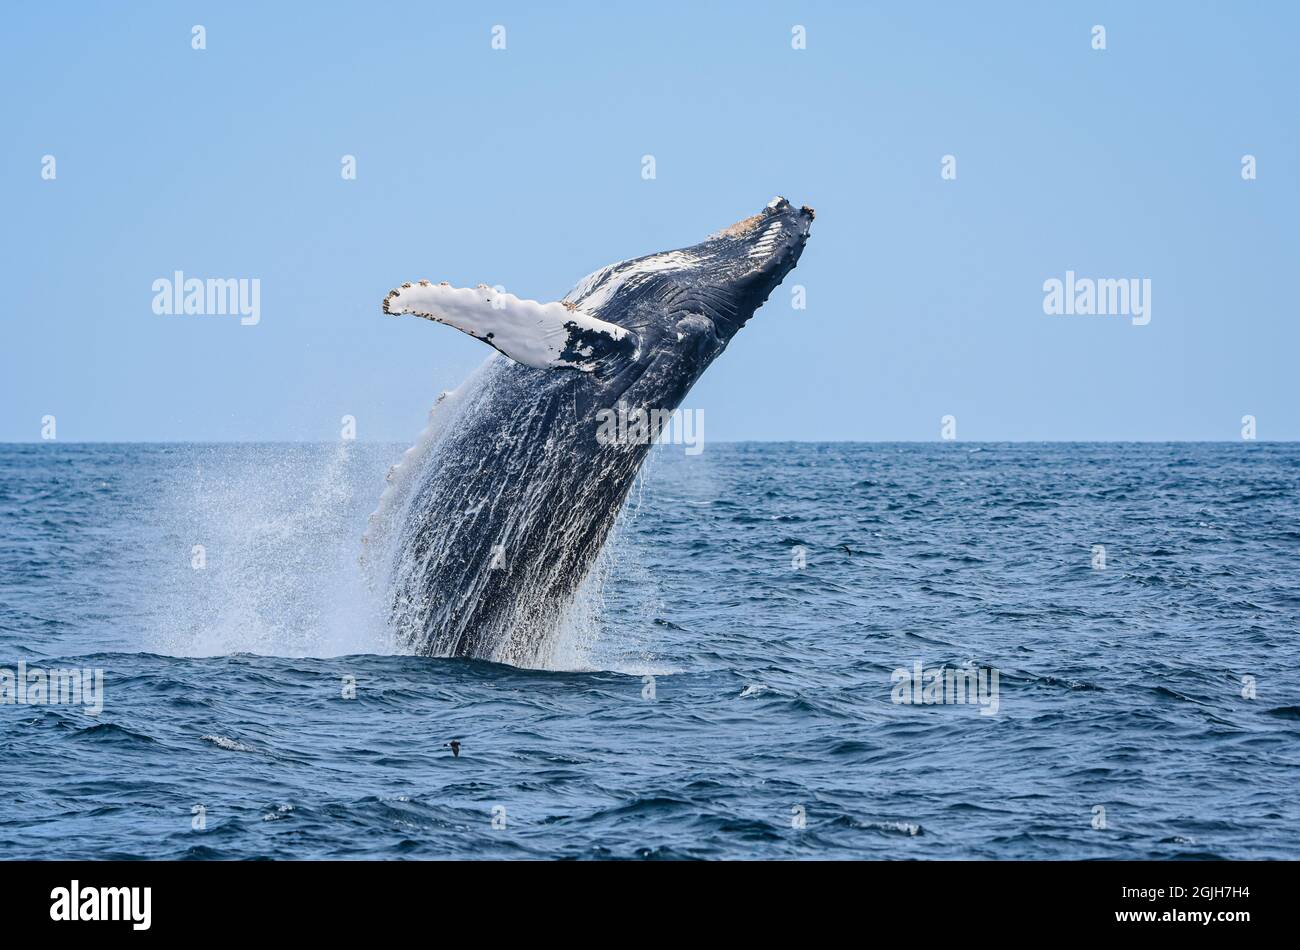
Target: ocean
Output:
[(739, 681)]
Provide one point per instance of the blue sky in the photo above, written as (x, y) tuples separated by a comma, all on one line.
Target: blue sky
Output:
[(523, 167)]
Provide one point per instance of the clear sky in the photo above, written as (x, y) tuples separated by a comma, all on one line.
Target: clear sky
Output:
[(523, 167)]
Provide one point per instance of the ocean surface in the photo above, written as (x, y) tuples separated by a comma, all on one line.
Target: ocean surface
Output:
[(729, 694)]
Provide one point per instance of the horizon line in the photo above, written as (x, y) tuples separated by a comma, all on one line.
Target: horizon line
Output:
[(713, 441)]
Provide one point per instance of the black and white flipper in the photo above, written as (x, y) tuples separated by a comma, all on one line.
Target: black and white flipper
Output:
[(541, 335)]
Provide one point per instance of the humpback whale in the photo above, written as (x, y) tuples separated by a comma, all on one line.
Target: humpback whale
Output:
[(491, 523)]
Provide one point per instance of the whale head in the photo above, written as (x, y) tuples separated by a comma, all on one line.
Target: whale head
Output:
[(682, 308), (721, 280), (745, 262)]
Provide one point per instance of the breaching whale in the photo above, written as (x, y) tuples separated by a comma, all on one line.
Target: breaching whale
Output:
[(492, 522)]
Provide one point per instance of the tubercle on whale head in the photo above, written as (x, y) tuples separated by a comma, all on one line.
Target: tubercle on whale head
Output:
[(795, 223)]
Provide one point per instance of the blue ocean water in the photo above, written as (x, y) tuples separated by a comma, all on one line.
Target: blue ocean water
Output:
[(722, 698)]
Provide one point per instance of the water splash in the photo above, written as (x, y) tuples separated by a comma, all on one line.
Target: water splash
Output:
[(263, 554)]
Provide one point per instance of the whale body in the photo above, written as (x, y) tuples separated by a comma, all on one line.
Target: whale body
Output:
[(497, 518)]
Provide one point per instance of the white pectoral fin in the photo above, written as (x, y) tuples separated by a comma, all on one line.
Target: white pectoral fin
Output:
[(542, 335)]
